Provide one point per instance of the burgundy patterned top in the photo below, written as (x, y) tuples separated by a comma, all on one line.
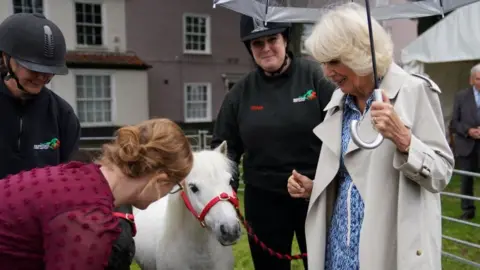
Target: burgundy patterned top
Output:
[(57, 217)]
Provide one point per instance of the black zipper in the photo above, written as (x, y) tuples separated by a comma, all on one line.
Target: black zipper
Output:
[(19, 141), (21, 113)]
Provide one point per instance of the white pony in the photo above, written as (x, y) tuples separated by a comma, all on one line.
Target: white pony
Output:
[(170, 237)]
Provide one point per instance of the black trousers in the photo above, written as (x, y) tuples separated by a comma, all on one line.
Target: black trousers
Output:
[(274, 218), (470, 163)]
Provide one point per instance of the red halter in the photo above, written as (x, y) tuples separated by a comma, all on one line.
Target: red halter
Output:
[(130, 218), (222, 197)]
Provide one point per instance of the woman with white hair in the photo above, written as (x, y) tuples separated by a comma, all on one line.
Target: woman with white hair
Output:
[(267, 120), (373, 209)]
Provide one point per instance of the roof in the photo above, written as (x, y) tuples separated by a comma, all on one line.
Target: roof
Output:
[(451, 39), (110, 60)]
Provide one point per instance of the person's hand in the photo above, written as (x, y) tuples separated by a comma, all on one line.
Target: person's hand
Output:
[(299, 186), (387, 122), (474, 133), (477, 133)]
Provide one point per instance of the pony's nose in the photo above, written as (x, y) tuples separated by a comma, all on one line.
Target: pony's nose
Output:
[(230, 231)]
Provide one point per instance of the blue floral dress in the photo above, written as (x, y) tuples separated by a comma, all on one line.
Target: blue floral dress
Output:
[(344, 231)]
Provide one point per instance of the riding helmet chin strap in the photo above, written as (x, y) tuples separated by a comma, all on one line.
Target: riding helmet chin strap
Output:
[(279, 71), (11, 75)]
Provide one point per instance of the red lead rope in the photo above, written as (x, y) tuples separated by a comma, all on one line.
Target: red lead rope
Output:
[(234, 201), (265, 247)]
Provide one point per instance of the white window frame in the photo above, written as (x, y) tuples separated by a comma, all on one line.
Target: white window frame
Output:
[(208, 38), (103, 24), (208, 118), (23, 6), (304, 36), (231, 78), (113, 100)]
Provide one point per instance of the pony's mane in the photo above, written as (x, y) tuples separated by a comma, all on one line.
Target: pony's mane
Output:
[(210, 161)]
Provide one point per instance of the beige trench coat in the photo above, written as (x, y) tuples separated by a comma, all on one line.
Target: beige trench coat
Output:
[(401, 229)]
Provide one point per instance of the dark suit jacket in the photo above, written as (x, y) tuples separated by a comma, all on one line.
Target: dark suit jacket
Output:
[(464, 117)]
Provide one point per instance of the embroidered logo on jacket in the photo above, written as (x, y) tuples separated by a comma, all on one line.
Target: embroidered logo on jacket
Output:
[(309, 95), (52, 144), (256, 107)]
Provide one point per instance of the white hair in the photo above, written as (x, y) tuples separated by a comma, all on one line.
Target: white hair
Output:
[(475, 69), (342, 34)]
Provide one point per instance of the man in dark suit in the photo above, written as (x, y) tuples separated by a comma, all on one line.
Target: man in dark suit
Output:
[(466, 125)]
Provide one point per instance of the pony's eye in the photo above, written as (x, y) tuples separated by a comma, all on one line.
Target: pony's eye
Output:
[(193, 188)]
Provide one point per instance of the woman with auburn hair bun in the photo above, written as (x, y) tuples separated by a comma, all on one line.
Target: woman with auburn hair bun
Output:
[(62, 217)]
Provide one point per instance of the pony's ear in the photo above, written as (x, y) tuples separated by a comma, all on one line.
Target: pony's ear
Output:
[(222, 148)]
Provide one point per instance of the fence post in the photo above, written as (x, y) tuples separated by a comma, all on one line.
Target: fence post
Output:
[(203, 135)]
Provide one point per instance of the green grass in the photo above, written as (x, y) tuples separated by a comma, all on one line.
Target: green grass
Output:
[(450, 208)]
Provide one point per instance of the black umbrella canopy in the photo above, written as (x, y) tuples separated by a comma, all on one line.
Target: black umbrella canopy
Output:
[(304, 11)]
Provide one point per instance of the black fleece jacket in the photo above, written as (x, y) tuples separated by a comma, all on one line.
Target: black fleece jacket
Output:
[(270, 121), (35, 132)]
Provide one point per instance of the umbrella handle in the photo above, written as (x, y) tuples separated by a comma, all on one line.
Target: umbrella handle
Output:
[(354, 129)]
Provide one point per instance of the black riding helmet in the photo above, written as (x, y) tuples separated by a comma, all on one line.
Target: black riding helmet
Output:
[(35, 42), (251, 29)]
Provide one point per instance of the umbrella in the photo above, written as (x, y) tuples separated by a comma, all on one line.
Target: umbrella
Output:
[(308, 11)]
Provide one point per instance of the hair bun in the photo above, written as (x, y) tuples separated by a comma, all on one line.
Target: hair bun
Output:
[(128, 139)]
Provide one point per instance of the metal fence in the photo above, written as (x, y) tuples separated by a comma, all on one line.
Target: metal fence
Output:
[(200, 140), (476, 225)]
